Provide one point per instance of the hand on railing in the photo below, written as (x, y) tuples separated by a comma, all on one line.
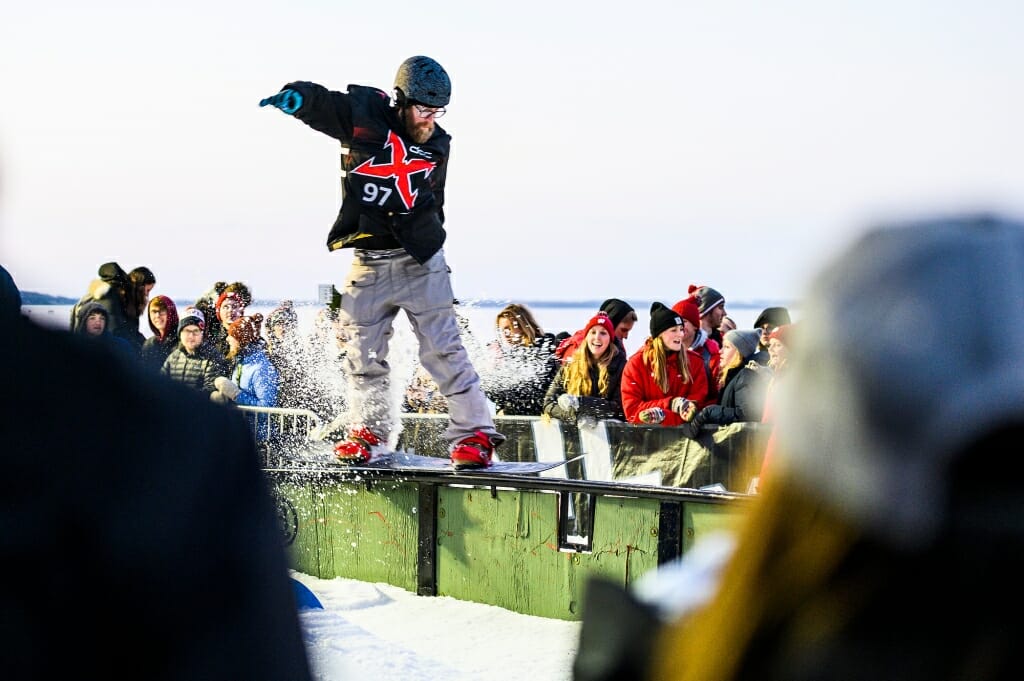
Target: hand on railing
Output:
[(226, 386), (652, 416), (686, 409)]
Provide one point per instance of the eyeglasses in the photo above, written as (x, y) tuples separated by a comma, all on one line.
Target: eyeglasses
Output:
[(429, 112)]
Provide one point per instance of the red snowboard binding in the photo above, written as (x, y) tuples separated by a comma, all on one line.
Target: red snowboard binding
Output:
[(473, 452), (357, 446)]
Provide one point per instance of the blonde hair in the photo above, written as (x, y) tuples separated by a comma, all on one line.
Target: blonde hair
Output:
[(734, 363), (521, 318), (656, 357), (577, 370)]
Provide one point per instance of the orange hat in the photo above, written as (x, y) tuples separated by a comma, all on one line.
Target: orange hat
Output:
[(246, 329)]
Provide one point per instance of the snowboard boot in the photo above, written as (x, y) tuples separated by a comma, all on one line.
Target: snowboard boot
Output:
[(473, 452), (357, 447)]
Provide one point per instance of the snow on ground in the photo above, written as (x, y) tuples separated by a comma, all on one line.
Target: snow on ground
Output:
[(382, 632)]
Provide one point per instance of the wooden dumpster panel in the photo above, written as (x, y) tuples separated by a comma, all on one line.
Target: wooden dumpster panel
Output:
[(701, 519), (374, 533), (347, 530), (301, 511), (503, 549)]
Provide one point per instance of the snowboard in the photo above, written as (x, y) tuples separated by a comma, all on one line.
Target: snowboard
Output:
[(405, 461), (322, 454)]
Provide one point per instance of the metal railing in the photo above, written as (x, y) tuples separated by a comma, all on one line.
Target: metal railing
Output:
[(729, 456), (267, 422)]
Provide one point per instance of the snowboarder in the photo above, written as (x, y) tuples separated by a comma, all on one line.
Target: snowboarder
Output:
[(394, 165)]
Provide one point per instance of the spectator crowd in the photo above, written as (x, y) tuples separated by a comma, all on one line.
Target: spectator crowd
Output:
[(694, 368)]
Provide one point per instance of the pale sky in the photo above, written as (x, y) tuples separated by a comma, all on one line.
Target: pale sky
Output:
[(600, 148)]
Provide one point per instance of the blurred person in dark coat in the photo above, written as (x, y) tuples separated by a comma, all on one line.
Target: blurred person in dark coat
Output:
[(125, 555)]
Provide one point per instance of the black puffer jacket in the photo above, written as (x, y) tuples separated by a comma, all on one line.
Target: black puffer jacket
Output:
[(197, 370), (742, 399)]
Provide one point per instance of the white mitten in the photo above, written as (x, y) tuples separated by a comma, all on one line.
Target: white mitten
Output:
[(227, 386), (679, 405), (218, 397), (568, 402)]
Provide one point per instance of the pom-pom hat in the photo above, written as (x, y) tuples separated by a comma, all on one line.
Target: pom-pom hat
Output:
[(601, 319), (192, 316), (688, 310), (246, 329), (707, 298)]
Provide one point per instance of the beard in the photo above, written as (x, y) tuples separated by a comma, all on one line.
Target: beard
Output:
[(419, 132)]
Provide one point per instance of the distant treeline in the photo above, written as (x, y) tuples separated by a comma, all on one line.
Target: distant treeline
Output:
[(33, 298)]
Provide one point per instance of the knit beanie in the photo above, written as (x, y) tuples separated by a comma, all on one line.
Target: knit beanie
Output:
[(707, 298), (783, 333), (688, 310), (775, 316), (600, 319), (192, 315), (744, 341), (663, 318), (616, 310), (246, 329), (283, 315)]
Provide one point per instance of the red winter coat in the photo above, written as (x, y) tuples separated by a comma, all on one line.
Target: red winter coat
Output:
[(640, 391)]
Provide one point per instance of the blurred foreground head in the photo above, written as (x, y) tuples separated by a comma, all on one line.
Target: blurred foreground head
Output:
[(909, 354), (898, 482)]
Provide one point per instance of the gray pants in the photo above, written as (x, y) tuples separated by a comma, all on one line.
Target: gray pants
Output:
[(379, 284)]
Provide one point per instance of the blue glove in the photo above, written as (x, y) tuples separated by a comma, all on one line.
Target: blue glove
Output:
[(288, 101)]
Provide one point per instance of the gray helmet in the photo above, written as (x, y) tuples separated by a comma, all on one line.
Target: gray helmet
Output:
[(421, 79)]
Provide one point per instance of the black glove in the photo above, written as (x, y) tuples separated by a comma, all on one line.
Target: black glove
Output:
[(288, 101), (693, 427)]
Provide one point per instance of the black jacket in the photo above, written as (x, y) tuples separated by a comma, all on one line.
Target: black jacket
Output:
[(198, 370), (522, 376), (742, 398), (593, 406), (393, 188), (160, 518)]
